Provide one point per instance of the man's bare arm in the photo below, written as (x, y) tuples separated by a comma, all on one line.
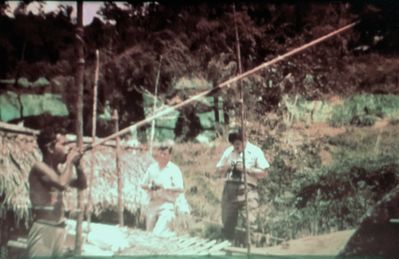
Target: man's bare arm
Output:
[(48, 174), (80, 182)]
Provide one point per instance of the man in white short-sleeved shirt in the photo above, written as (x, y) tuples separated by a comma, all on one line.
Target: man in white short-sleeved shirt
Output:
[(163, 182), (231, 165)]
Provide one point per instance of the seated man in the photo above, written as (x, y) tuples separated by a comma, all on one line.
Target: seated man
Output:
[(164, 183), (47, 234)]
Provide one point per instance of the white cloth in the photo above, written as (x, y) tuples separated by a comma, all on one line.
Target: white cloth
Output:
[(254, 157), (182, 206)]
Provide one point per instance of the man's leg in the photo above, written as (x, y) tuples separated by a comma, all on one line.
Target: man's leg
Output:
[(151, 217), (230, 209), (36, 243), (253, 198), (164, 222), (45, 240), (58, 238)]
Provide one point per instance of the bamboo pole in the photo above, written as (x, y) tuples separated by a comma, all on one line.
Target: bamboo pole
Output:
[(115, 118), (79, 79), (225, 83), (242, 113), (154, 107), (93, 136)]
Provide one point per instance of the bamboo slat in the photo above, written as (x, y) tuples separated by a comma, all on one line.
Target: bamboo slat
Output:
[(17, 129)]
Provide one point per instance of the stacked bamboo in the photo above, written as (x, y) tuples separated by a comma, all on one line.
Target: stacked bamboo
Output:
[(127, 241)]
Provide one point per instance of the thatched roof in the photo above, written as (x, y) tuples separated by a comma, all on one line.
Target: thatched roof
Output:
[(18, 153), (105, 182)]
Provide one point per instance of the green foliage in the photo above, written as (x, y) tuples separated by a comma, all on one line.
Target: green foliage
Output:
[(15, 106), (358, 110), (363, 110), (196, 39), (364, 120), (318, 199), (299, 109)]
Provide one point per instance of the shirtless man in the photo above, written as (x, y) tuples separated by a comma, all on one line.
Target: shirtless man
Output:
[(47, 183)]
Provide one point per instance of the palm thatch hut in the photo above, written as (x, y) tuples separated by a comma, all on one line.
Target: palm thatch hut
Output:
[(104, 194), (18, 153)]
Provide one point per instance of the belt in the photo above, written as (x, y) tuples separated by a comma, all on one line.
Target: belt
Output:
[(45, 208), (240, 182), (58, 224)]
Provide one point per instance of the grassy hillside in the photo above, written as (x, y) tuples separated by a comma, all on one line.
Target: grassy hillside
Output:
[(322, 178)]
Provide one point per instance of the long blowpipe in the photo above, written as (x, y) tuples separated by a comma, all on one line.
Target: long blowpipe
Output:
[(224, 84)]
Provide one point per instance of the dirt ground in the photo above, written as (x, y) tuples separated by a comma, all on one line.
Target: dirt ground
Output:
[(323, 245), (328, 244)]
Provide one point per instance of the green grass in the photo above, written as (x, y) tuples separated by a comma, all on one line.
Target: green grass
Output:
[(358, 110), (363, 110), (301, 196)]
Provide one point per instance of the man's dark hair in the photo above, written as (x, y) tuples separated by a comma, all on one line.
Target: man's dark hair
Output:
[(164, 145), (235, 135), (48, 135)]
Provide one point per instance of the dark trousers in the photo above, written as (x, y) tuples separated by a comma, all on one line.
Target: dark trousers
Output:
[(233, 204)]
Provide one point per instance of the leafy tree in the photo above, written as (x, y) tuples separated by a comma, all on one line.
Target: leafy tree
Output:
[(198, 39)]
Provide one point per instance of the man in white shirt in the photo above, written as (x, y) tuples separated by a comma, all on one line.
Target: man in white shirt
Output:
[(164, 184), (231, 165)]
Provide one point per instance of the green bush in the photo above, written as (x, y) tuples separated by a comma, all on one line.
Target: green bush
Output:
[(302, 197), (363, 110), (358, 110)]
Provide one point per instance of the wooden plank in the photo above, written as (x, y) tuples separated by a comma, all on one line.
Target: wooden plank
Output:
[(146, 243), (394, 221), (208, 244), (22, 239), (17, 129), (204, 249), (188, 242), (192, 248), (182, 238), (199, 243), (17, 244), (220, 246), (208, 247), (217, 249)]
